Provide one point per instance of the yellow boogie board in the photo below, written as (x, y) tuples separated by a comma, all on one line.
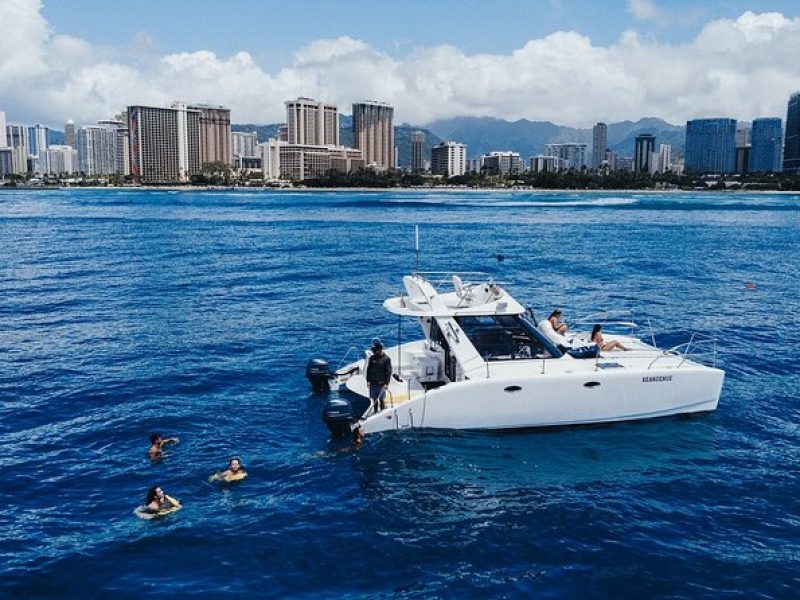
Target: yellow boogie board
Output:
[(142, 512), (237, 477)]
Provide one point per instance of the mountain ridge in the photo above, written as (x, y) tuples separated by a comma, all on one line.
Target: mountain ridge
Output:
[(487, 134)]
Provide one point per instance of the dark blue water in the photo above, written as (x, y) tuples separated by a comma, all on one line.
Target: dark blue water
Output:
[(126, 312)]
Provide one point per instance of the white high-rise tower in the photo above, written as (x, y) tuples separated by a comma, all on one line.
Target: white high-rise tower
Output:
[(312, 123)]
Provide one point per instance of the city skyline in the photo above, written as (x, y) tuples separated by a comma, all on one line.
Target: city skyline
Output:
[(162, 144), (727, 62)]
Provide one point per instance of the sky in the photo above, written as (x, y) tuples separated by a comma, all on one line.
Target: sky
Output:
[(570, 62)]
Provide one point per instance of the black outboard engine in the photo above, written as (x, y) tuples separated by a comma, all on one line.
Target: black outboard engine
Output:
[(319, 374), (337, 414)]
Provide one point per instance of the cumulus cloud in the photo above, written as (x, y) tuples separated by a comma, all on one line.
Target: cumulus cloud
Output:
[(743, 68), (645, 10)]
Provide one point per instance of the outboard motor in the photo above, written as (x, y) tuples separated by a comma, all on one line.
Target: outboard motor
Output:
[(337, 414), (319, 374)]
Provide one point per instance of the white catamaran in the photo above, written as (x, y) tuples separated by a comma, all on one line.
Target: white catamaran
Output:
[(484, 364)]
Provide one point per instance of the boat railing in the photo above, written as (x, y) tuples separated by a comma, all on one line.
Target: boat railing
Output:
[(440, 279), (612, 327), (609, 319), (700, 347), (443, 278)]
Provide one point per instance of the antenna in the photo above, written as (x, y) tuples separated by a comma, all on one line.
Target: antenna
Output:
[(416, 246)]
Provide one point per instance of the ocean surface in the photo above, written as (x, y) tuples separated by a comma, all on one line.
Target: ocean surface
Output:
[(126, 312)]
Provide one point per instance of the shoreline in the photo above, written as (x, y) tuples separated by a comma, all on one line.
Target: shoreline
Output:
[(446, 190)]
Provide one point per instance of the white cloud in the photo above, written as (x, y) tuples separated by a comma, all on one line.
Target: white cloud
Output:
[(644, 10), (742, 68), (23, 32), (324, 50)]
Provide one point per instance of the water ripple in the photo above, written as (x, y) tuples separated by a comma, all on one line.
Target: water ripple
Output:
[(125, 312)]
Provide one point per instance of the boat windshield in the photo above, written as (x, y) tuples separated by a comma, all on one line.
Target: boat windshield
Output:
[(504, 337)]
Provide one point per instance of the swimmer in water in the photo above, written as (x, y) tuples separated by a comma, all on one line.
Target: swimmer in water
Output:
[(235, 472), (157, 444), (157, 501), (358, 437)]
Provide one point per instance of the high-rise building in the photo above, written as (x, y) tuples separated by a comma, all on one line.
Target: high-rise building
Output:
[(502, 163), (574, 154), (742, 159), (767, 144), (311, 122), (599, 144), (611, 160), (283, 133), (3, 134), (38, 141), (69, 133), (62, 160), (164, 142), (6, 162), (743, 136), (38, 137), (373, 133), (122, 153), (270, 152), (449, 159), (791, 147), (244, 144), (6, 153), (215, 133), (17, 139), (625, 164), (663, 163), (541, 163), (97, 150), (642, 154), (710, 146), (418, 151)]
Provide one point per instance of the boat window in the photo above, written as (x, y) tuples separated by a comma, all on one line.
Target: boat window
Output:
[(503, 337)]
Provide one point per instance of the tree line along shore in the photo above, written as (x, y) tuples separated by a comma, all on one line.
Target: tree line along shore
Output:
[(369, 179)]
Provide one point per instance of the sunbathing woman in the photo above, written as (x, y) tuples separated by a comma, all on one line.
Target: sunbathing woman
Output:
[(597, 338)]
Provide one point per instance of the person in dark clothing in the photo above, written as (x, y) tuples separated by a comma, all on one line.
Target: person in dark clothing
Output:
[(379, 372)]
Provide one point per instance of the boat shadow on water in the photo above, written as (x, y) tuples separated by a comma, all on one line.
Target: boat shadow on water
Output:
[(618, 453)]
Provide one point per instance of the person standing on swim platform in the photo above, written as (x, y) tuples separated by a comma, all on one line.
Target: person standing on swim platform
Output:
[(379, 373)]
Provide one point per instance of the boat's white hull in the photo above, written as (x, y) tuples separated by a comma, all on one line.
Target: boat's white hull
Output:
[(556, 400)]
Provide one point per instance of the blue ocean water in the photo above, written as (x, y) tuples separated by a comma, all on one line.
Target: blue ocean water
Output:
[(193, 313)]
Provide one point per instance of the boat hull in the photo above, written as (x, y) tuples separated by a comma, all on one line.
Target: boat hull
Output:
[(556, 400)]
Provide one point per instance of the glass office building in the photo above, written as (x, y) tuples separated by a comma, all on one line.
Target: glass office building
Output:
[(711, 146), (767, 144), (791, 148)]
